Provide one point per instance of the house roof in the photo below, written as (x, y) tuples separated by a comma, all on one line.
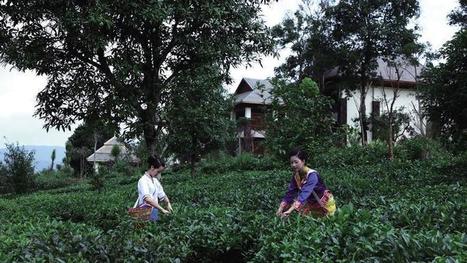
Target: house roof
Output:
[(103, 154), (257, 91), (408, 72)]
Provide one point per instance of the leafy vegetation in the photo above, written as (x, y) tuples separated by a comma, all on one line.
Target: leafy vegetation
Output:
[(444, 93), (19, 166), (299, 115), (198, 117), (118, 60), (227, 215)]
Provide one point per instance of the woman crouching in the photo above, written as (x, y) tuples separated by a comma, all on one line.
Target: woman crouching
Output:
[(307, 193)]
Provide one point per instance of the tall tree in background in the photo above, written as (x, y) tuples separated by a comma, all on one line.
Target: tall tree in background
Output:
[(52, 157), (362, 32), (308, 35), (444, 93), (299, 116), (118, 58), (198, 116)]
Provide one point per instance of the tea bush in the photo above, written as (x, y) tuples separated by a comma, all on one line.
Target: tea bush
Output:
[(400, 211), (242, 162), (54, 179)]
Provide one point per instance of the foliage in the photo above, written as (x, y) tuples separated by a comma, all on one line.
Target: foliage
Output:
[(54, 179), (52, 157), (5, 180), (82, 142), (229, 216), (299, 116), (198, 116), (117, 59), (97, 181), (308, 35), (353, 155), (243, 162), (115, 152), (19, 165), (400, 125), (420, 148), (444, 91)]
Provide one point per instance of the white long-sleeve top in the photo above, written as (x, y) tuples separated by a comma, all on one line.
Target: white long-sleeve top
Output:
[(149, 187)]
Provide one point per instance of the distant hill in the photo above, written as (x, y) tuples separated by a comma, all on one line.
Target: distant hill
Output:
[(42, 155)]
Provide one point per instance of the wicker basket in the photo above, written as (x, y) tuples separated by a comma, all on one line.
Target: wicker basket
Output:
[(140, 213)]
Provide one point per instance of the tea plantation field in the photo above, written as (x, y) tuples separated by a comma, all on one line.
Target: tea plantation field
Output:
[(387, 212)]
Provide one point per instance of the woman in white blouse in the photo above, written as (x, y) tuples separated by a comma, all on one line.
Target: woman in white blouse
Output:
[(150, 191)]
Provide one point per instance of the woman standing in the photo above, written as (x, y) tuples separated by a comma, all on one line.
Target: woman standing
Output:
[(150, 191), (307, 193)]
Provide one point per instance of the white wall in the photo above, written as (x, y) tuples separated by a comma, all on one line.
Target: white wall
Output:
[(405, 99)]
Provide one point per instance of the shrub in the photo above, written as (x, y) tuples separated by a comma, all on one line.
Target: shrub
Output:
[(124, 168), (19, 165), (242, 162), (54, 179), (374, 152), (97, 181), (398, 210), (5, 182), (419, 148)]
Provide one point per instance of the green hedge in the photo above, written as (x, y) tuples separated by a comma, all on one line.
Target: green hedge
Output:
[(400, 211)]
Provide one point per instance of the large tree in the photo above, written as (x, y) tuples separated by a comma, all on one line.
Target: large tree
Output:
[(362, 32), (119, 58), (199, 116), (444, 93), (350, 36), (299, 116), (307, 33)]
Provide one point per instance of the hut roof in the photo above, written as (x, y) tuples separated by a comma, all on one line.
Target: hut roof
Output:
[(104, 155)]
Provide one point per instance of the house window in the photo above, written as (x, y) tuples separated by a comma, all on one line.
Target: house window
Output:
[(375, 108), (342, 116), (375, 113), (248, 112)]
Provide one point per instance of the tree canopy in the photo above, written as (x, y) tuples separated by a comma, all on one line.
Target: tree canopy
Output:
[(444, 93), (299, 116), (350, 35), (198, 116), (119, 58)]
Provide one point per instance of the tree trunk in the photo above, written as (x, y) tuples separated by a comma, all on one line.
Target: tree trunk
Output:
[(390, 138), (149, 129), (362, 113), (81, 167)]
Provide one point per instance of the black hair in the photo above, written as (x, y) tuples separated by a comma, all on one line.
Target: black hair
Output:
[(301, 154), (155, 161)]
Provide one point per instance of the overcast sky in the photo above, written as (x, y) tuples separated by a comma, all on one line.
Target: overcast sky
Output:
[(18, 89)]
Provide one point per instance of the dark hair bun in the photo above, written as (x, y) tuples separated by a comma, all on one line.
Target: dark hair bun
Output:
[(301, 154), (155, 161)]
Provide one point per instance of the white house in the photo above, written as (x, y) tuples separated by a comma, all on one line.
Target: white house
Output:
[(380, 94), (253, 96)]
